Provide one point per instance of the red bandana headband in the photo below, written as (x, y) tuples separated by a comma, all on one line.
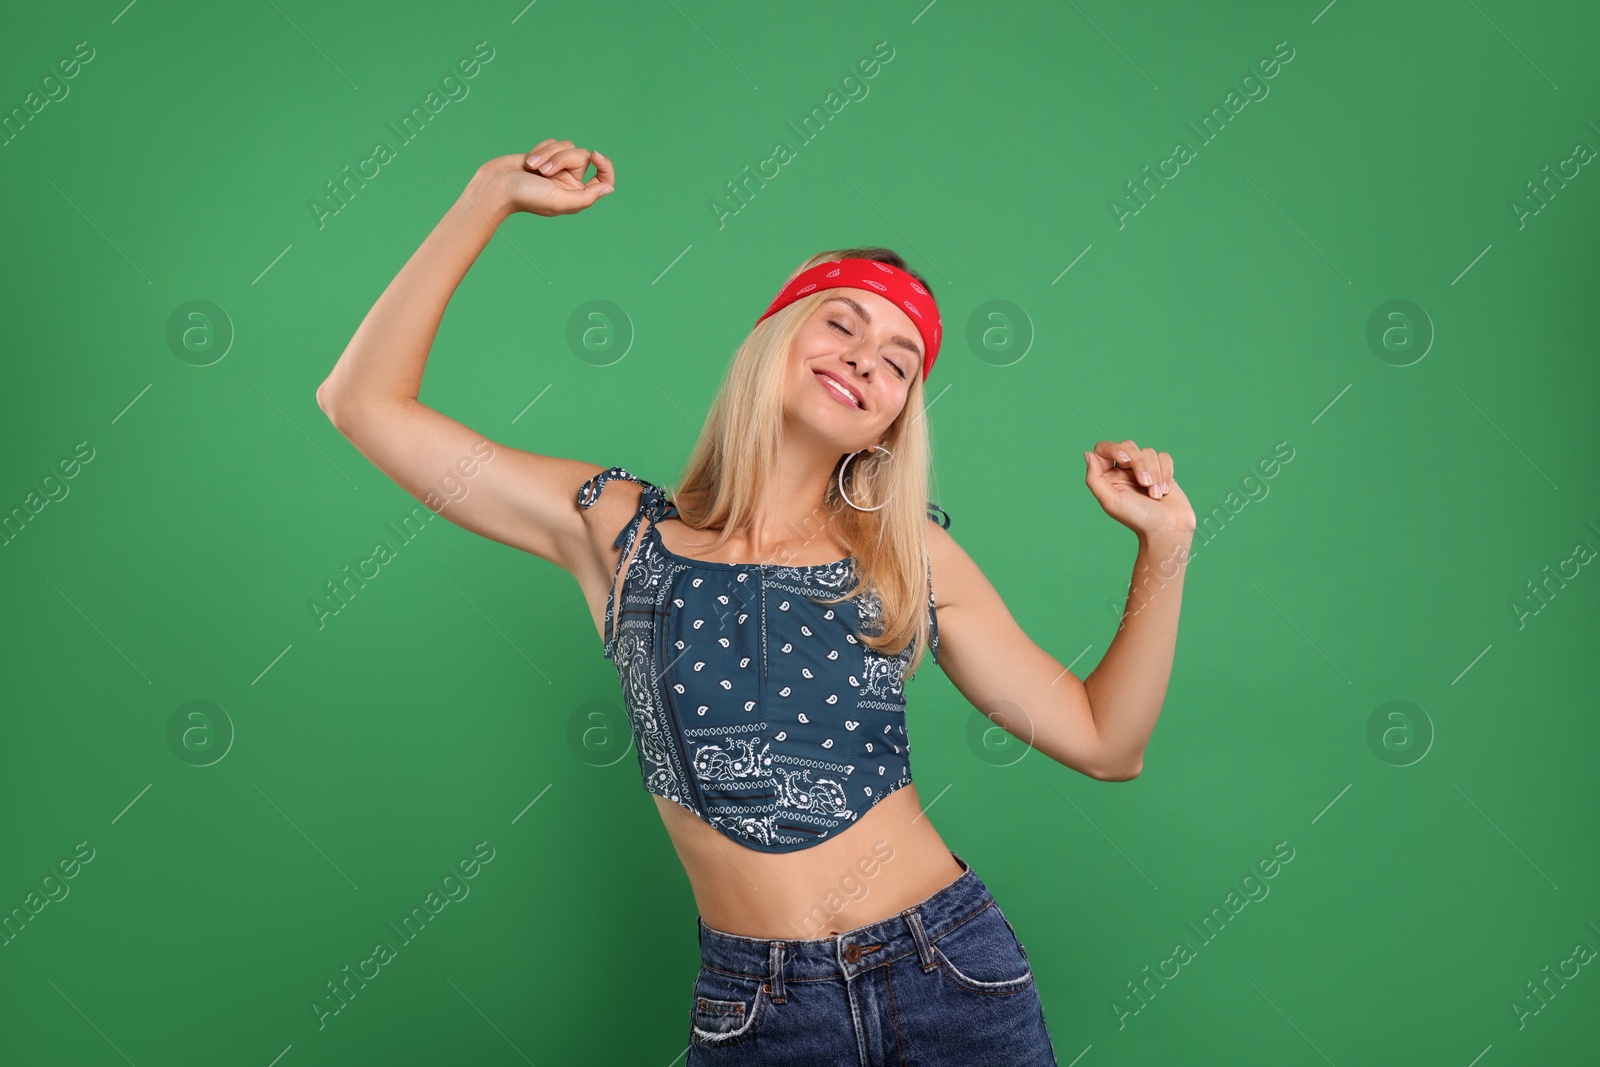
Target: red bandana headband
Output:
[(888, 281)]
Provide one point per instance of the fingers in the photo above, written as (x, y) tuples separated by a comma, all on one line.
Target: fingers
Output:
[(604, 180), (539, 153), (1150, 469), (1115, 455), (1134, 461), (542, 159), (1139, 464), (568, 166), (605, 172), (564, 157)]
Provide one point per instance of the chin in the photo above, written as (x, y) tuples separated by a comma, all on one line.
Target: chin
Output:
[(822, 427)]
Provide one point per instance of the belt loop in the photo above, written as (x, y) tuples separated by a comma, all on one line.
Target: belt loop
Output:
[(775, 965), (924, 946)]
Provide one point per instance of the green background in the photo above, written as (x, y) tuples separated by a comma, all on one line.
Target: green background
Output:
[(1437, 869)]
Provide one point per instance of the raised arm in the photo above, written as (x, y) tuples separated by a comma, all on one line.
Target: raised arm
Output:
[(1101, 725), (512, 496)]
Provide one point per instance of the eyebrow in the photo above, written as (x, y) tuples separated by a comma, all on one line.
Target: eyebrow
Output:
[(897, 339)]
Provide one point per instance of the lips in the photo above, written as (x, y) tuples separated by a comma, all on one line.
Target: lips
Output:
[(839, 388)]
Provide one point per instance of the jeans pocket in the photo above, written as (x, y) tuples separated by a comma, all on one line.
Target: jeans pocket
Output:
[(728, 1008), (983, 955)]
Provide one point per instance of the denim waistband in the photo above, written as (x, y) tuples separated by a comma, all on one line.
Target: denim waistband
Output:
[(847, 954)]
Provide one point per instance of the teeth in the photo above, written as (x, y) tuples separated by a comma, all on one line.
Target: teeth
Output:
[(839, 389)]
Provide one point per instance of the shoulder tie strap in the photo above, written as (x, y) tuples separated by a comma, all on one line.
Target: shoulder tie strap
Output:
[(653, 505), (653, 502), (943, 519)]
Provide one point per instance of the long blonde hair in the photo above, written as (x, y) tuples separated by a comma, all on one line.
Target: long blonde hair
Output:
[(738, 449)]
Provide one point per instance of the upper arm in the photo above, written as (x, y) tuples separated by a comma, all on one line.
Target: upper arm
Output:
[(1005, 675), (518, 498)]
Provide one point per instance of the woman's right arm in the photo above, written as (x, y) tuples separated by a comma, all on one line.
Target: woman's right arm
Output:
[(515, 497)]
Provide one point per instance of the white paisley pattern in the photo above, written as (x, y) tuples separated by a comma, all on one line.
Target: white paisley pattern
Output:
[(751, 705), (713, 763)]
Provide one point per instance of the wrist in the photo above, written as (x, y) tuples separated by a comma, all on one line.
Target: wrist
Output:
[(1166, 541), (486, 193)]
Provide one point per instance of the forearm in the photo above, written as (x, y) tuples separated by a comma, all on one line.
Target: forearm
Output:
[(386, 356), (1128, 686)]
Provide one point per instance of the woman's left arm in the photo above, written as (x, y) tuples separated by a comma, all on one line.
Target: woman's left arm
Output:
[(1127, 688), (1100, 725)]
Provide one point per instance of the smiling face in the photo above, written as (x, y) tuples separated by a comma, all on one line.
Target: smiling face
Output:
[(851, 368)]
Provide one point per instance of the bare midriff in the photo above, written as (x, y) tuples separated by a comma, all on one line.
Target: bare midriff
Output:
[(878, 866)]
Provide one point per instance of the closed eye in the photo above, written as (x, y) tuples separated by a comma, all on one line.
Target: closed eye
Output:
[(847, 333)]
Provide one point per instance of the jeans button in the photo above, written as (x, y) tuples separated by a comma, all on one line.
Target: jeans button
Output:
[(853, 954)]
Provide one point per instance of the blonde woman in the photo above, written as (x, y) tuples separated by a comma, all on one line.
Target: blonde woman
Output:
[(763, 619)]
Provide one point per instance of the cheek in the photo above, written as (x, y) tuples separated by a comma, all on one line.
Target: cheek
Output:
[(807, 346)]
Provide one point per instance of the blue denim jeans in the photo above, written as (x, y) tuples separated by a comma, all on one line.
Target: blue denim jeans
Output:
[(944, 982)]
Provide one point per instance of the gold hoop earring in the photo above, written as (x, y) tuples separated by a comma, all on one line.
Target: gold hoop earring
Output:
[(845, 464)]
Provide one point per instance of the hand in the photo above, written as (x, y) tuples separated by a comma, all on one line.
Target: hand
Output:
[(1117, 476), (549, 180)]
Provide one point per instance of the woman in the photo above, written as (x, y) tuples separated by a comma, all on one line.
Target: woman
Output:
[(763, 620)]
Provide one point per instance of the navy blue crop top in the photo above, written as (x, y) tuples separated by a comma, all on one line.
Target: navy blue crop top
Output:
[(750, 705)]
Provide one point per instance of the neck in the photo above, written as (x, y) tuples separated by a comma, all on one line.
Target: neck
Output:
[(791, 514), (791, 521)]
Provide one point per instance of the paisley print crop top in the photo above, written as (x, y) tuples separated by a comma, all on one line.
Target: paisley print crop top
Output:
[(751, 705)]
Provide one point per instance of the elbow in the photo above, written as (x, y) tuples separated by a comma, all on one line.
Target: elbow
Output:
[(325, 402), (1122, 772)]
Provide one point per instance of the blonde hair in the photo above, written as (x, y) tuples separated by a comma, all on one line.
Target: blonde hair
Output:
[(738, 449)]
